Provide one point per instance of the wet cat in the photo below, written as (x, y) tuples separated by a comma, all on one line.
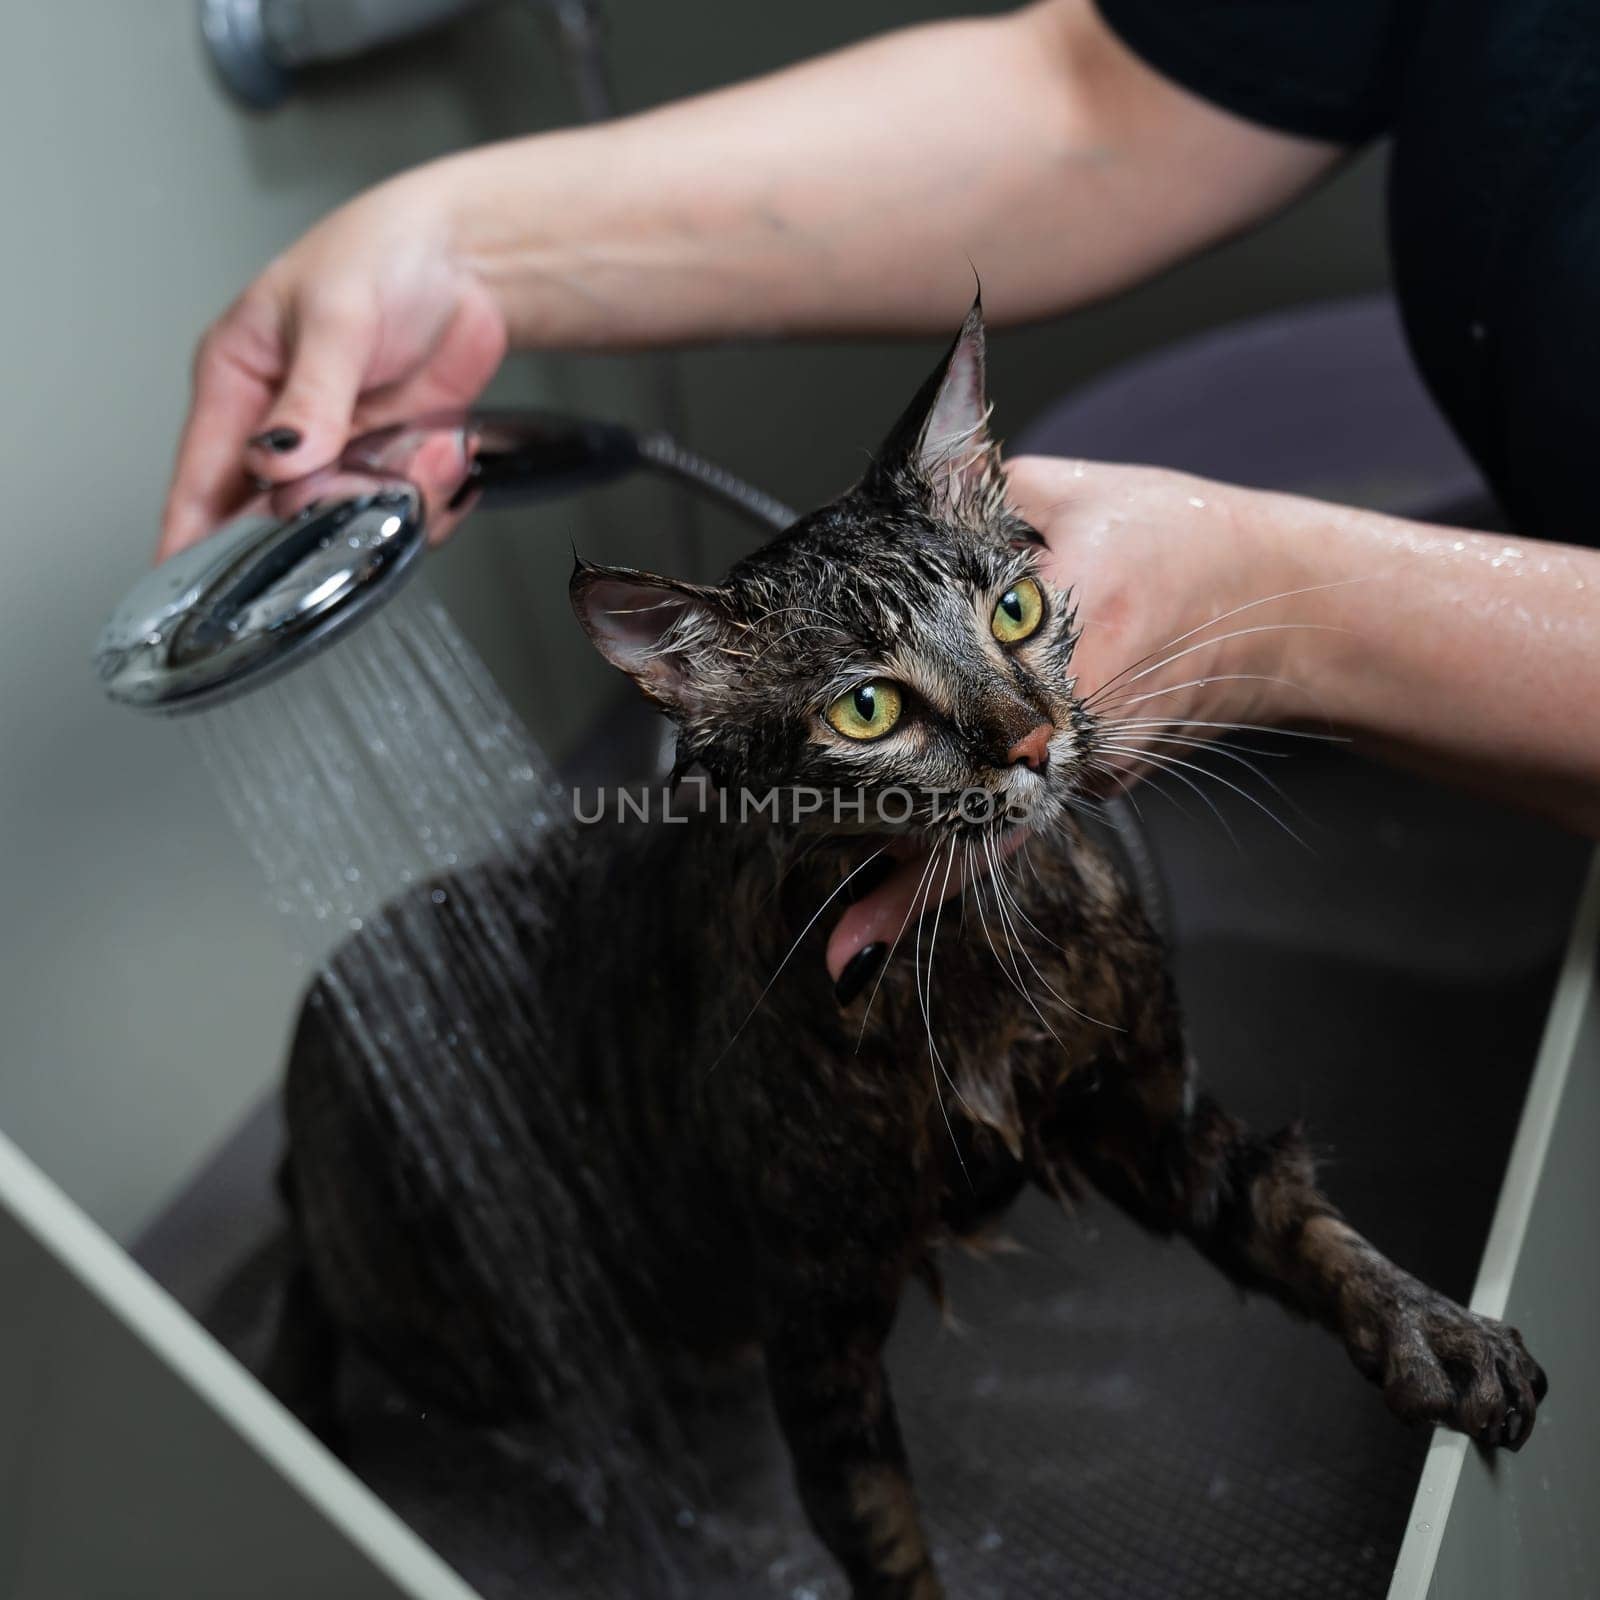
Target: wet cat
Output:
[(668, 1109)]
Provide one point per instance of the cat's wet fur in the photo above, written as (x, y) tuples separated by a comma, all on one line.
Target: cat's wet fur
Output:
[(745, 1160)]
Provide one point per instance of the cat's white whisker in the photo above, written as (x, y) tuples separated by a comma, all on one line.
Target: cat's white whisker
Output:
[(1233, 753), (843, 883), (1002, 890), (1012, 972), (1033, 866), (1221, 616), (1157, 733), (921, 891), (1133, 801), (1228, 677), (1201, 722), (1138, 754), (1171, 761), (1222, 638), (1015, 945), (936, 1065), (1127, 780)]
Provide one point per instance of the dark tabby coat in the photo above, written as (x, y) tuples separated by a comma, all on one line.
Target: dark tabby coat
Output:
[(784, 1186)]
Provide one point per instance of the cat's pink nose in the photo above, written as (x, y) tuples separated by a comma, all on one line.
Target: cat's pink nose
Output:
[(1032, 749)]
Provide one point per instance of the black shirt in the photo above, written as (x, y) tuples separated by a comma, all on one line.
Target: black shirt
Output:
[(1493, 107)]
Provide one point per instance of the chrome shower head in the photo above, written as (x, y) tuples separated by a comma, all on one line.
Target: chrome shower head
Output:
[(305, 562), (257, 596)]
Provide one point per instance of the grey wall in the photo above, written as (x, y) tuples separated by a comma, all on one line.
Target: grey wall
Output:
[(144, 988)]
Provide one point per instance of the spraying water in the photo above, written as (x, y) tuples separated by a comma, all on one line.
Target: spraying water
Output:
[(372, 769), (387, 792)]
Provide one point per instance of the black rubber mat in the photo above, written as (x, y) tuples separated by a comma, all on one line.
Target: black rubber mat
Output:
[(1109, 1419)]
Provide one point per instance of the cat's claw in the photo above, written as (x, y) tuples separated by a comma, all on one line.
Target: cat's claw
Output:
[(1440, 1363)]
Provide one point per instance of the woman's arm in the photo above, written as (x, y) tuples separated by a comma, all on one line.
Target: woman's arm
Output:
[(851, 193), (1204, 606), (1473, 656), (855, 193)]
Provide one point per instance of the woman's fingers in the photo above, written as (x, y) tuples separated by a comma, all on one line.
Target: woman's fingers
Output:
[(331, 344), (877, 918), (307, 359), (451, 376), (881, 918), (209, 480)]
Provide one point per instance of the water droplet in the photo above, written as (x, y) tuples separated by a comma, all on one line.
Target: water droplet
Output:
[(1422, 1527), (355, 924), (1197, 502), (438, 897)]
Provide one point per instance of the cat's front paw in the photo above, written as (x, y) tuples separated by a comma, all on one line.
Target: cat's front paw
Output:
[(1437, 1362)]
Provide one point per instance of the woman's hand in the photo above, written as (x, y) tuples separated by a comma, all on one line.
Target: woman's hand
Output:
[(369, 318), (1188, 594), (1205, 607), (1185, 600)]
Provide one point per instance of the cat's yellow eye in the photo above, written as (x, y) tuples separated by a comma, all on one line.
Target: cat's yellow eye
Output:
[(1019, 612), (867, 711)]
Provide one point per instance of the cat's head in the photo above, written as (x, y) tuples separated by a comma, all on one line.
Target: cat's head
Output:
[(897, 646)]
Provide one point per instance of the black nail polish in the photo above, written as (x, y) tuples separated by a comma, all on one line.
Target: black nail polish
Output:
[(470, 485), (859, 971), (278, 440), (865, 879)]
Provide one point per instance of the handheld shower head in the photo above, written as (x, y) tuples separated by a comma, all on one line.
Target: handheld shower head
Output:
[(305, 562), (257, 596)]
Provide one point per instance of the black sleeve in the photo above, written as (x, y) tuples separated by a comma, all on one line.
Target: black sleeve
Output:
[(1326, 69)]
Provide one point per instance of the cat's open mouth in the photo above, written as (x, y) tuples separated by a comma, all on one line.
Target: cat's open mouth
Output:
[(922, 877)]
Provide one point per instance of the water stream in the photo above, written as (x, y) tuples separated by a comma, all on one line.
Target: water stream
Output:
[(378, 765), (367, 783)]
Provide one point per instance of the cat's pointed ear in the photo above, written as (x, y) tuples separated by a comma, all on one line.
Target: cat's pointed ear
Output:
[(665, 634), (942, 438)]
